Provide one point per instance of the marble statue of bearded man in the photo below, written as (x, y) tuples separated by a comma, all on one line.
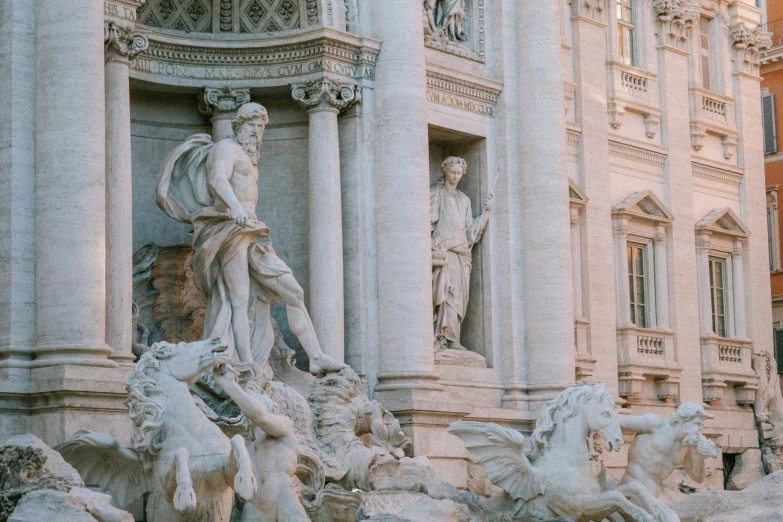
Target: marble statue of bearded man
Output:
[(454, 232), (214, 187)]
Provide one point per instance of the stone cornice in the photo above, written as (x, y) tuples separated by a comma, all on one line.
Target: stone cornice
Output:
[(675, 20), (479, 95), (724, 175), (253, 61), (121, 42), (315, 95), (618, 148)]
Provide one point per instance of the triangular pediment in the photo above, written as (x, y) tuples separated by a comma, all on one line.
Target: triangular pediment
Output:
[(575, 195), (643, 204), (723, 221)]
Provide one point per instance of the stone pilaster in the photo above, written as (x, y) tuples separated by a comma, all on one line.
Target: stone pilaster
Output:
[(661, 279), (221, 105), (402, 206), (747, 42), (323, 100), (122, 45), (548, 296)]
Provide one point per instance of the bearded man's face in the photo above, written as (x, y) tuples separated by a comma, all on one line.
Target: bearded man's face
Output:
[(692, 430), (249, 136)]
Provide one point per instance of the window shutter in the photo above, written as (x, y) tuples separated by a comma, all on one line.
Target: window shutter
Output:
[(768, 123), (779, 348)]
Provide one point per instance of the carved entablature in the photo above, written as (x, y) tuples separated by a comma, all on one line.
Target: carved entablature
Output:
[(121, 42), (476, 94), (589, 9), (456, 28), (748, 43), (208, 61), (675, 20), (325, 94)]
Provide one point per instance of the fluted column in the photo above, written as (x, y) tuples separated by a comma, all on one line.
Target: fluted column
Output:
[(738, 278), (70, 185), (402, 200), (661, 278), (122, 45), (323, 100), (221, 105), (620, 231), (549, 315)]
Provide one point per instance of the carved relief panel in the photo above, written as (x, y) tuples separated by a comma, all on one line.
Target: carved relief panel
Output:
[(455, 27)]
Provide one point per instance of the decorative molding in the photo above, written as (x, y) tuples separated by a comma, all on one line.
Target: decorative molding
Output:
[(589, 9), (456, 92), (120, 42), (572, 136), (315, 95), (312, 12), (636, 153), (723, 221), (223, 101), (212, 61), (748, 44), (643, 204), (701, 170), (675, 20)]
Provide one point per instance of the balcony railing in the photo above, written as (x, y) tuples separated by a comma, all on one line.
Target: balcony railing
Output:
[(776, 28)]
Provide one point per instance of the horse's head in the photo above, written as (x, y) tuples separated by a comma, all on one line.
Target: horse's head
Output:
[(601, 416), (188, 361)]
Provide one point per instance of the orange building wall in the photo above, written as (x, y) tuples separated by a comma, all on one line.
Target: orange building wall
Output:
[(773, 81), (774, 10)]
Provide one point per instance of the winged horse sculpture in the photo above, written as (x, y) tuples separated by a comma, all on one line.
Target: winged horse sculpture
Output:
[(550, 474), (177, 455)]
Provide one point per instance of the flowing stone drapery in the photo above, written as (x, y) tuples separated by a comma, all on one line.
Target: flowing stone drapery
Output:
[(549, 317), (402, 199), (70, 185), (122, 46), (323, 100)]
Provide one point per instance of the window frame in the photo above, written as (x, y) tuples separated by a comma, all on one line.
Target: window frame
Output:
[(648, 288), (704, 54), (627, 32), (724, 263)]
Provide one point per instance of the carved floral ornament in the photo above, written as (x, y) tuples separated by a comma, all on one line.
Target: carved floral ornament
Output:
[(675, 21), (326, 94), (121, 42), (593, 9), (748, 44)]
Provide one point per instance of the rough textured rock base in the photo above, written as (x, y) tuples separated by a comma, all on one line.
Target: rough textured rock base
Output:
[(760, 502)]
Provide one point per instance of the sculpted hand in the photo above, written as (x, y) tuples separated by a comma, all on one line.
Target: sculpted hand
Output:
[(489, 202), (225, 375), (239, 216)]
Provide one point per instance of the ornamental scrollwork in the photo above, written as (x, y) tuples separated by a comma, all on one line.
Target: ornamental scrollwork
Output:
[(676, 19), (326, 94), (748, 43), (120, 42)]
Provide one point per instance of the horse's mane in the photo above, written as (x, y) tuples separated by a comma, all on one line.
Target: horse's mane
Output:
[(564, 406), (145, 412)]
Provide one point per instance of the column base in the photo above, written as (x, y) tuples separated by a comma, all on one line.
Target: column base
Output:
[(391, 381), (531, 397), (82, 354), (59, 400)]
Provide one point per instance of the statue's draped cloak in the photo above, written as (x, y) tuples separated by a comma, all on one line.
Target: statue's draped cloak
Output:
[(183, 192), (455, 230)]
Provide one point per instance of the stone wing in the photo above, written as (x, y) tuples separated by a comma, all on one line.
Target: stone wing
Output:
[(101, 461), (501, 452)]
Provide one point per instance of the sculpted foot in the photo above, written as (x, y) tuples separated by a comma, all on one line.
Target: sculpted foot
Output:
[(185, 498), (325, 364), (244, 481)]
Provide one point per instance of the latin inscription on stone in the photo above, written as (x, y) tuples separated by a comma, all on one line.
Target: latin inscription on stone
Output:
[(121, 11), (151, 66), (460, 103)]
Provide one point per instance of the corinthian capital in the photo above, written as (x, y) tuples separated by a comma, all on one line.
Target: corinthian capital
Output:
[(224, 101), (326, 94), (748, 43), (675, 21), (120, 42), (591, 9)]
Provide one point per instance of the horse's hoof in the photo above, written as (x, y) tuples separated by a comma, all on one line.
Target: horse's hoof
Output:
[(245, 483), (185, 499)]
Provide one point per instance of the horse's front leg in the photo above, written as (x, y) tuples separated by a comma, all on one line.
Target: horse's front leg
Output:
[(239, 470), (641, 496), (179, 484), (601, 506)]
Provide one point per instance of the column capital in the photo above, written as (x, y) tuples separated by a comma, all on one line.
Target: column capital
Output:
[(575, 215), (223, 101), (620, 227), (737, 251), (747, 44), (675, 20), (703, 240), (592, 10), (659, 234), (121, 42), (319, 95)]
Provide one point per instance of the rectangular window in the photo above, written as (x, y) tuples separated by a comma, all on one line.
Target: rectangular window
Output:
[(718, 295), (768, 123), (779, 348), (704, 52), (637, 283), (625, 31)]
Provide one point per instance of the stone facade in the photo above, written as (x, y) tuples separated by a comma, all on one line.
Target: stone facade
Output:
[(601, 138)]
